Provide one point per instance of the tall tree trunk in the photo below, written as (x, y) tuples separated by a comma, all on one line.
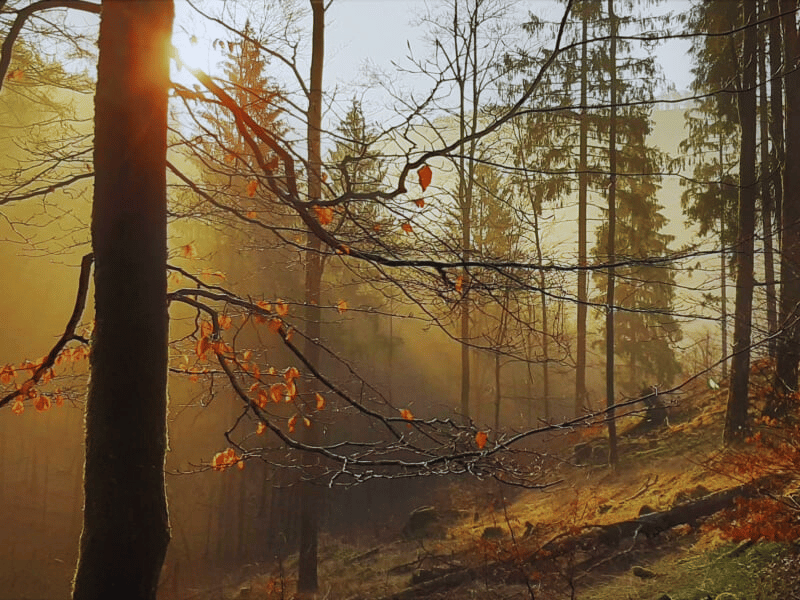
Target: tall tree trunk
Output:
[(767, 204), (789, 340), (612, 232), (736, 413), (723, 267), (125, 523), (311, 495), (776, 112), (581, 400)]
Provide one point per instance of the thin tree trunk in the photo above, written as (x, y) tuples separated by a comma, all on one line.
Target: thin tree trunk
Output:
[(583, 276), (125, 527), (776, 121), (767, 204), (311, 495), (736, 413), (789, 341), (611, 253), (723, 272)]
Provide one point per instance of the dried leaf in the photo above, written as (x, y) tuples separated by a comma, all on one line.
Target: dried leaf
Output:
[(324, 214), (425, 176), (189, 250), (320, 400), (341, 306), (281, 307), (18, 407), (406, 414), (480, 439), (260, 428), (292, 423), (251, 188), (406, 227)]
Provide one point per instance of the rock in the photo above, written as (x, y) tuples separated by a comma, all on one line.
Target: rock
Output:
[(642, 572)]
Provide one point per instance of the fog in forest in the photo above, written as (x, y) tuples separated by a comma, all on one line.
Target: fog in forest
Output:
[(505, 307)]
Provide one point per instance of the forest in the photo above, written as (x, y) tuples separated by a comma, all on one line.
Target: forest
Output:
[(301, 301)]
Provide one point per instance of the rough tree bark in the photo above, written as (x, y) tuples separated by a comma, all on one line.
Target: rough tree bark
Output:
[(736, 413), (125, 528), (789, 339), (310, 494)]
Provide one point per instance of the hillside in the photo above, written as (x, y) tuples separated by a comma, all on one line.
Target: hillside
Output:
[(654, 530)]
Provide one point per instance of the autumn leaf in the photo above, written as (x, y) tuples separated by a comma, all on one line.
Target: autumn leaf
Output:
[(320, 400), (7, 374), (225, 322), (240, 465), (420, 202), (263, 398), (247, 354), (281, 307), (59, 399), (407, 227), (480, 439), (277, 391), (251, 215), (18, 407), (292, 423), (16, 75), (291, 391), (406, 414), (275, 325), (324, 214), (291, 373), (341, 306), (189, 250), (42, 403), (251, 188), (425, 176), (342, 249), (223, 460), (260, 428), (202, 346), (459, 283), (306, 421), (229, 158)]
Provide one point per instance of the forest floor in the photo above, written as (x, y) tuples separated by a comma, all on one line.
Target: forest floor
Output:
[(651, 530)]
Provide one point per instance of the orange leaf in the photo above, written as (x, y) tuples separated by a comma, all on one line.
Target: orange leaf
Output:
[(320, 401), (260, 428), (189, 250), (42, 403), (324, 214), (16, 75), (59, 399), (224, 459), (341, 306), (406, 414), (251, 215), (206, 328), (240, 465), (225, 322), (459, 283), (229, 158), (262, 399), (7, 374), (480, 439), (306, 421), (291, 391), (292, 423), (251, 188), (202, 346), (425, 176), (277, 391), (281, 308), (420, 202), (18, 407), (406, 227), (291, 373), (275, 325)]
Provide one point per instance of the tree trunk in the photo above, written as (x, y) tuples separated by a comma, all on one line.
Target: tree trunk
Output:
[(776, 112), (736, 413), (583, 186), (125, 523), (789, 339), (310, 495), (767, 204), (612, 232)]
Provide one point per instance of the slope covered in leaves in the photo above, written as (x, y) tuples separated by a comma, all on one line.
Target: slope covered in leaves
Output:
[(568, 541)]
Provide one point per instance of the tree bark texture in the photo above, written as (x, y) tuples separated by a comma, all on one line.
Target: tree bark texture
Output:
[(736, 413), (789, 339), (125, 523)]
